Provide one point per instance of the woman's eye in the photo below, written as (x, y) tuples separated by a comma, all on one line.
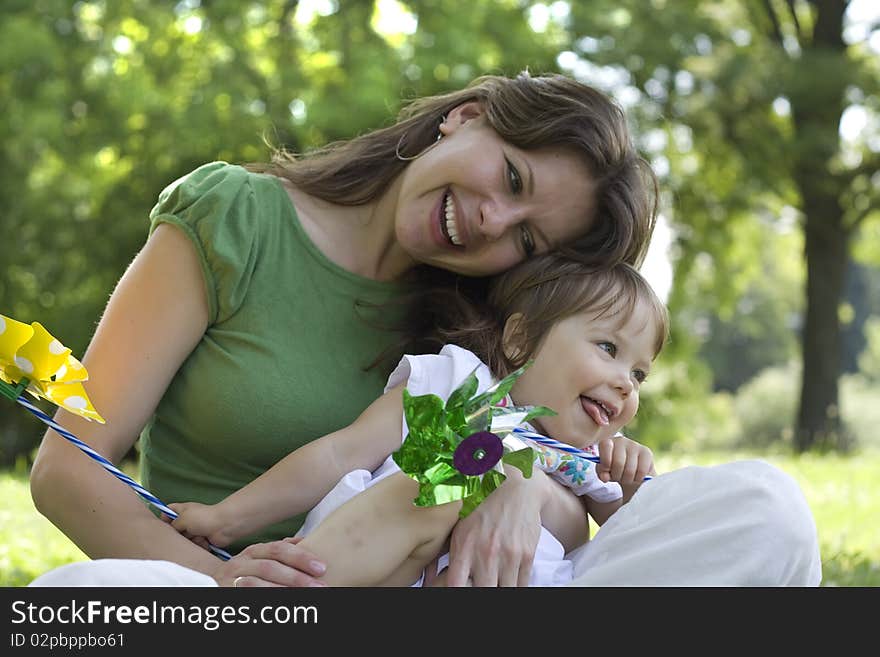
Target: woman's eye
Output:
[(528, 242), (513, 177), (640, 375), (609, 347)]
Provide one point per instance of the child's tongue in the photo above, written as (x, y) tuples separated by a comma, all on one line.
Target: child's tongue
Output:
[(595, 411)]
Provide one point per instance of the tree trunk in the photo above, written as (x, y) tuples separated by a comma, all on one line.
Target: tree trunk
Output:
[(816, 111), (818, 421)]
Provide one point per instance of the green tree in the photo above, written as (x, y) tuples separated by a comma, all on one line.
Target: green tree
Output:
[(749, 97), (106, 102)]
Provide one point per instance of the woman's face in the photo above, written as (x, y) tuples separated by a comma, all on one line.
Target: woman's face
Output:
[(476, 205), (589, 371)]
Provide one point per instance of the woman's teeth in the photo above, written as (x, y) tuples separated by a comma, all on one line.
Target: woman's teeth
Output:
[(450, 221)]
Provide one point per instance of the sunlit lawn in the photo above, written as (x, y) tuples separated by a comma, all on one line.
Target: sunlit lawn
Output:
[(29, 544), (843, 492)]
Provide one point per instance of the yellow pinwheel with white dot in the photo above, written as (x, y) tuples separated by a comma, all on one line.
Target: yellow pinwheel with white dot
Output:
[(28, 352), (32, 360)]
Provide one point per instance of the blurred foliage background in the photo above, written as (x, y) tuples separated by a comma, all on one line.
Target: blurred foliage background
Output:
[(761, 117)]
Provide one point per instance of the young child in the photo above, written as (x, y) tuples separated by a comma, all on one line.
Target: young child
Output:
[(592, 336)]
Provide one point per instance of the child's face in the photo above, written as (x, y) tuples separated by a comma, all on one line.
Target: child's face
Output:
[(589, 370)]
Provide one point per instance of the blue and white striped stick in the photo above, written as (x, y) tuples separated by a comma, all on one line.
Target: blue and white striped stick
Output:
[(109, 467), (555, 444)]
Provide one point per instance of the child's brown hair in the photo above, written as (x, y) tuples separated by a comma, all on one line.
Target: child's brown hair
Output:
[(544, 290)]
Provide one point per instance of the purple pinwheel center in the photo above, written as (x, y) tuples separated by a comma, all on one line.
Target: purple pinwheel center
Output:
[(477, 453)]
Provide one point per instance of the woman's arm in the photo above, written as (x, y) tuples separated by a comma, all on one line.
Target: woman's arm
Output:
[(155, 317), (302, 478), (495, 545)]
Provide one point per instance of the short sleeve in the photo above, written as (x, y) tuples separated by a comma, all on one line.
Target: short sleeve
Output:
[(438, 374), (215, 207), (599, 490)]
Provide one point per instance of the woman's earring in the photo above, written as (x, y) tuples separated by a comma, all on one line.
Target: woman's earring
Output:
[(410, 158)]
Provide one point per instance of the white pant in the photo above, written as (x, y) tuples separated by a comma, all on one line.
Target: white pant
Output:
[(739, 524)]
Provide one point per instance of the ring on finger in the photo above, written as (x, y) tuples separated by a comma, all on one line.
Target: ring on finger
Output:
[(236, 583)]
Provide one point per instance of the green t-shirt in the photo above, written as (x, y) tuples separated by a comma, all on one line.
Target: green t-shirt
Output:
[(282, 361)]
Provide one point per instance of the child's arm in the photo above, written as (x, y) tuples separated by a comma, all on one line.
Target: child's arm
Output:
[(379, 537), (558, 512), (601, 511), (301, 479), (626, 462)]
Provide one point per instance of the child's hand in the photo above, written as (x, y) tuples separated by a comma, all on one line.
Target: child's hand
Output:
[(624, 461), (201, 523)]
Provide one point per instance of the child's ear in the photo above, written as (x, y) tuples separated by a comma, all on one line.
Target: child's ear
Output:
[(513, 337)]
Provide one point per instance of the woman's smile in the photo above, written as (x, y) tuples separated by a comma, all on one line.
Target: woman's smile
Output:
[(446, 218), (450, 220)]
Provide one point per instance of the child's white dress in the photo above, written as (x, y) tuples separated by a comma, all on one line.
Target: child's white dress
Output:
[(440, 374)]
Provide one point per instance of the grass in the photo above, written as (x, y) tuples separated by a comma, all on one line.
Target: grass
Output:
[(842, 491), (29, 544)]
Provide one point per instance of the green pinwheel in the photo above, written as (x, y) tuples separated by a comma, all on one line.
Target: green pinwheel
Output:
[(451, 449)]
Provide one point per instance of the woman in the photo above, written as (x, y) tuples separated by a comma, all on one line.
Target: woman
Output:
[(247, 324)]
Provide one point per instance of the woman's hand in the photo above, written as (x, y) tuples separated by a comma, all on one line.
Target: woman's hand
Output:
[(279, 563), (495, 545)]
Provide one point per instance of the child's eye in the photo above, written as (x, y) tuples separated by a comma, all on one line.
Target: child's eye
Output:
[(513, 177), (640, 375), (608, 347)]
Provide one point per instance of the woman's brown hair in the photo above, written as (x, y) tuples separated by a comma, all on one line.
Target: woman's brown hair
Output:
[(527, 111), (530, 112)]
